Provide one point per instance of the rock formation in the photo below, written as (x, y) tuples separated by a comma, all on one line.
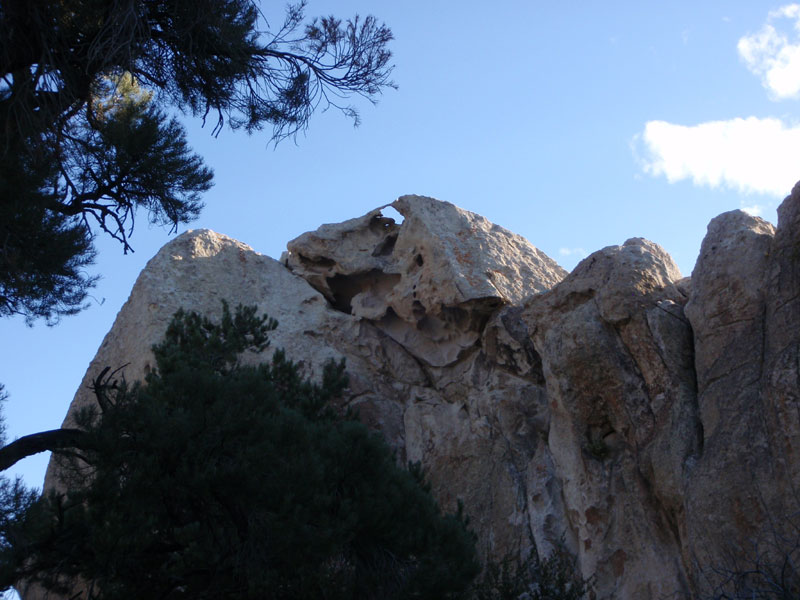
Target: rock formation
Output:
[(649, 421)]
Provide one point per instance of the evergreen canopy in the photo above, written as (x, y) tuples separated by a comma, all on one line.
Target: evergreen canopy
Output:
[(217, 480), (85, 136)]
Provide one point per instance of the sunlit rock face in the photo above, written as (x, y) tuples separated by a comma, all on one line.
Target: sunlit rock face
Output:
[(617, 360), (745, 312), (648, 420), (431, 283)]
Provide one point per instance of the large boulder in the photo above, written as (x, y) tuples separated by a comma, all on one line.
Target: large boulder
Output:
[(741, 492), (419, 310), (429, 283), (616, 351)]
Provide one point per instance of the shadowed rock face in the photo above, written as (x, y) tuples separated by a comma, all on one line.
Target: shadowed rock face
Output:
[(648, 420)]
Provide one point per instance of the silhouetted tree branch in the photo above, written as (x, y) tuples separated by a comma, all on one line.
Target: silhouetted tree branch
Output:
[(85, 140), (53, 440)]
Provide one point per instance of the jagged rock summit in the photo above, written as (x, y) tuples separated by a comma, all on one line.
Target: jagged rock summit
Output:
[(429, 283), (649, 421)]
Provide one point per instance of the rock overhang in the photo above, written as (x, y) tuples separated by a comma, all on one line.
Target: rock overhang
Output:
[(430, 282)]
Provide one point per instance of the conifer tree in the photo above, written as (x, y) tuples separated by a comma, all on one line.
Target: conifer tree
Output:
[(216, 480), (86, 140)]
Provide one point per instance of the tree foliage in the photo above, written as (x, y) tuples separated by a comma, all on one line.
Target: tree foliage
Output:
[(86, 87), (217, 480)]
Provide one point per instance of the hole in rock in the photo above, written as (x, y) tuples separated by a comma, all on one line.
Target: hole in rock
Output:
[(345, 287), (418, 260), (386, 247), (453, 315), (392, 213)]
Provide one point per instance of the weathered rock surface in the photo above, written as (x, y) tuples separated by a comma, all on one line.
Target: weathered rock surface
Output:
[(431, 283), (745, 315), (649, 420), (617, 359)]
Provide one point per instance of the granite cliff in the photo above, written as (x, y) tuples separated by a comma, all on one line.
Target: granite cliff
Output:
[(649, 420)]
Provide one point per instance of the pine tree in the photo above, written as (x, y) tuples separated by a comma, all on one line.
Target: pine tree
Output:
[(86, 140), (216, 480)]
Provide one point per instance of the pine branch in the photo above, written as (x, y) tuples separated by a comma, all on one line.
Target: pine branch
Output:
[(55, 439)]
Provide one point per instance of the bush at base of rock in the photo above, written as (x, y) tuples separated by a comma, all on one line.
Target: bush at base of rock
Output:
[(555, 577)]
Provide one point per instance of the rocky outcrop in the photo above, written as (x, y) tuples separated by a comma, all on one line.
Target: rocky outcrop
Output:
[(727, 313), (431, 283), (745, 312), (649, 421), (617, 359), (411, 309)]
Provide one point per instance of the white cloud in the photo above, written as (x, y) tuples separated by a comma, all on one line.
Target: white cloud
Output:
[(773, 52), (579, 252), (756, 210), (748, 155)]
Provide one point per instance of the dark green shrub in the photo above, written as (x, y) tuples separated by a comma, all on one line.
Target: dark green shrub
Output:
[(217, 480)]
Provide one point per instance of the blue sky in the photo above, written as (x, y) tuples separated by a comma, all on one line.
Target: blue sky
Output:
[(575, 126)]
